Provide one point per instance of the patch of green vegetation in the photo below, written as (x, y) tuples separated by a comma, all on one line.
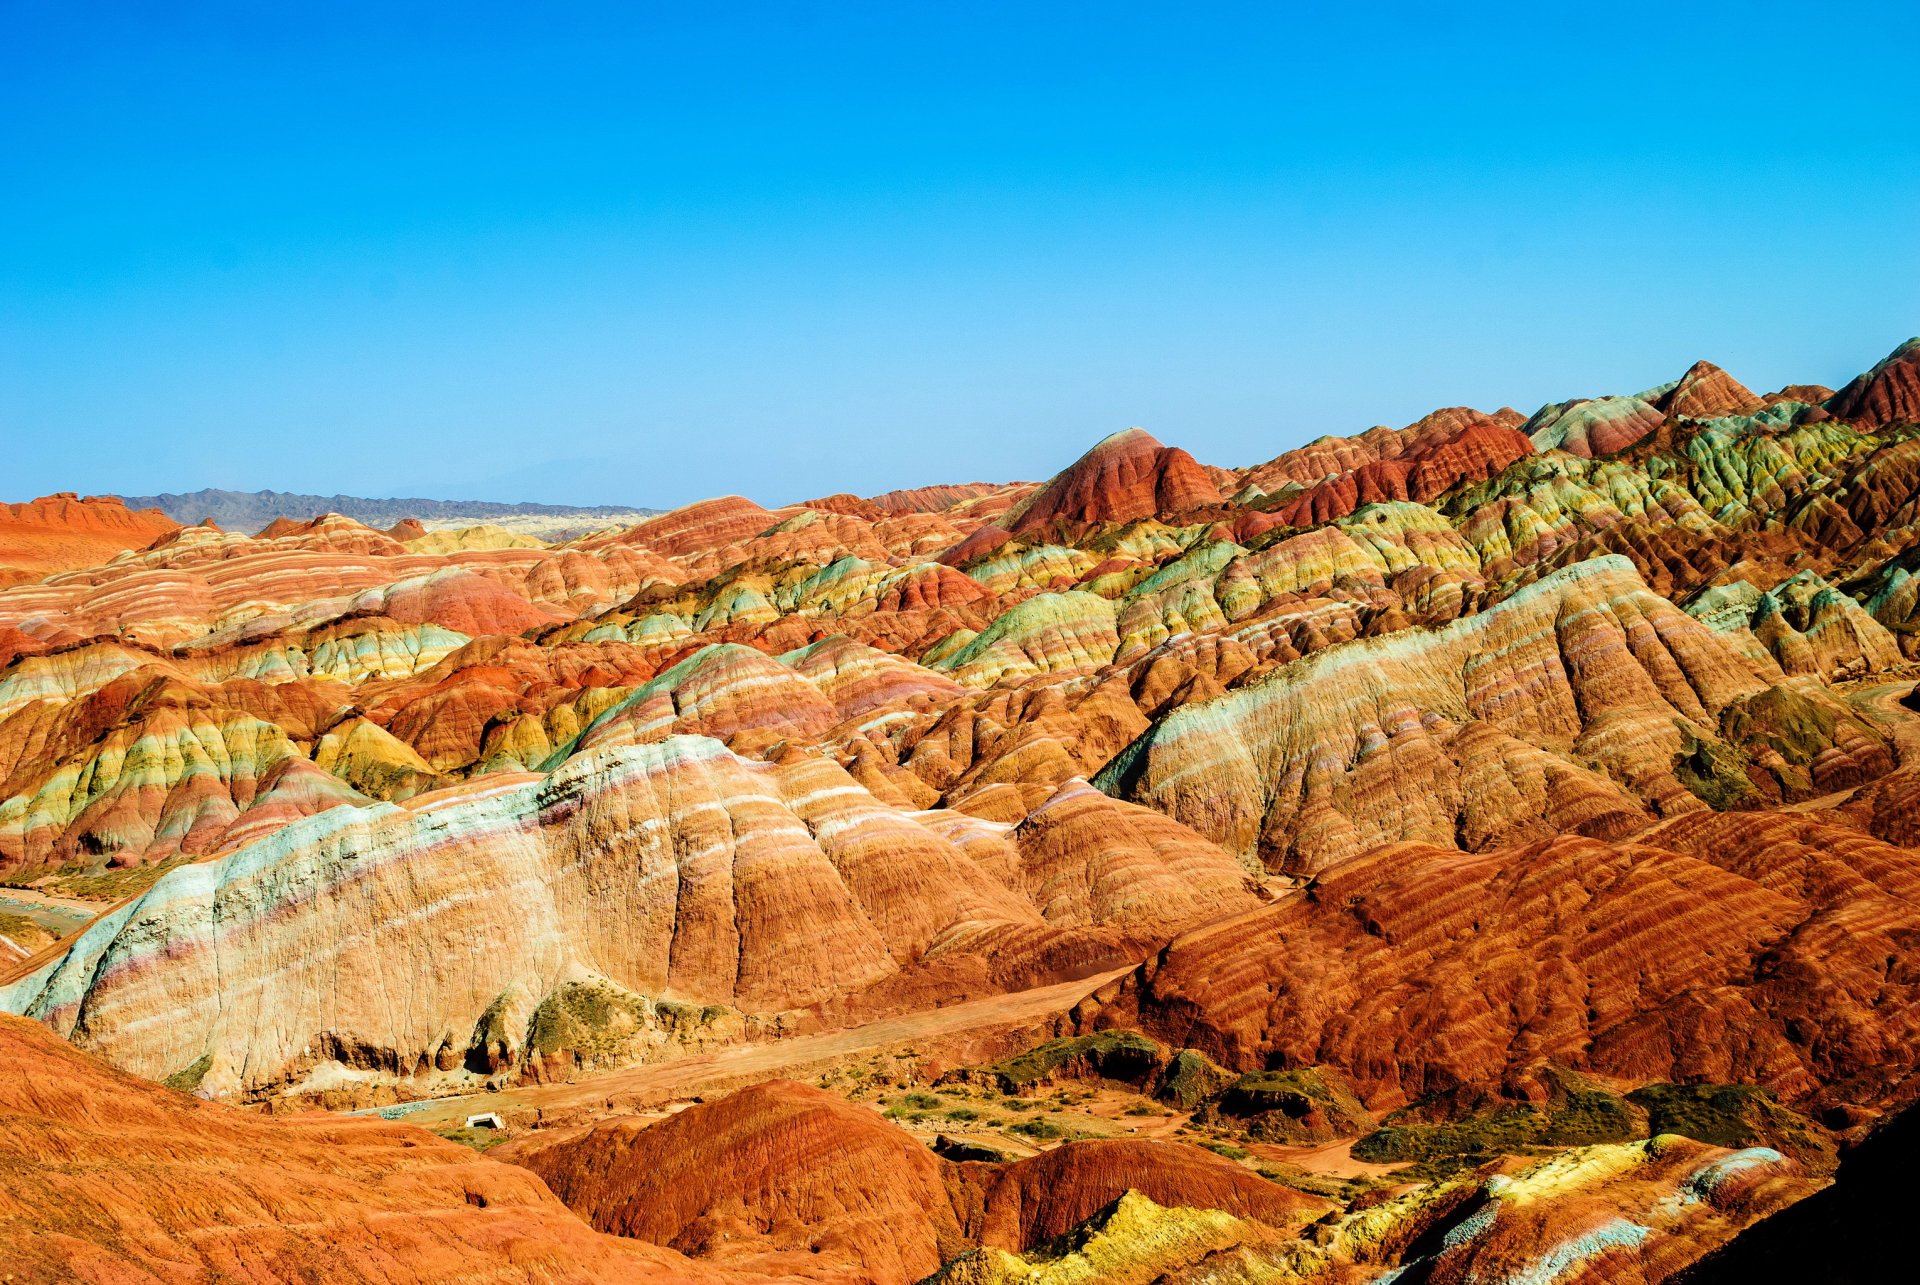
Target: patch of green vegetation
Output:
[(188, 1078), (1228, 1150), (1143, 1108), (478, 1139), (963, 1114), (1440, 1168), (1041, 1128), (923, 1101), (1499, 1132), (1588, 1115), (26, 933), (1782, 719), (591, 1019), (1714, 773), (1192, 1078), (1119, 1055), (1300, 1105), (1314, 1184), (1726, 1115)]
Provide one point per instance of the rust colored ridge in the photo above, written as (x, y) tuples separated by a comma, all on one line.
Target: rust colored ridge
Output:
[(1032, 1201), (1126, 476), (701, 526), (1427, 466), (1706, 391), (847, 503), (1726, 948), (63, 532), (1328, 458), (935, 499), (333, 532), (764, 1178), (407, 529), (781, 1172), (1887, 394), (114, 1179)]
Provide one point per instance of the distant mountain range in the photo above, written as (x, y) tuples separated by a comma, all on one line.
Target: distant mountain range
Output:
[(250, 510)]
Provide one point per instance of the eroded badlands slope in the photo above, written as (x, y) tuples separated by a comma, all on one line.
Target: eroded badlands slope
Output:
[(1439, 763)]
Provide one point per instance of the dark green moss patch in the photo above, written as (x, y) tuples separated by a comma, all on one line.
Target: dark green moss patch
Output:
[(1192, 1078), (1735, 1115), (1714, 773), (1113, 1055), (188, 1078)]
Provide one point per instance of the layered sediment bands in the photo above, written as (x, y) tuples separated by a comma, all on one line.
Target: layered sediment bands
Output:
[(1126, 476), (1589, 428), (1706, 392), (145, 767), (391, 942), (783, 1179), (111, 1179), (767, 1179), (1561, 709), (1738, 948), (1430, 465), (780, 1173)]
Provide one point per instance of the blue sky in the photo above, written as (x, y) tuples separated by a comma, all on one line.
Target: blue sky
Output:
[(645, 253)]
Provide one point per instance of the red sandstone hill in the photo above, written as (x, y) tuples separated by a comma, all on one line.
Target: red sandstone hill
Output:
[(1887, 394), (1125, 476), (61, 532), (110, 1179), (780, 1177)]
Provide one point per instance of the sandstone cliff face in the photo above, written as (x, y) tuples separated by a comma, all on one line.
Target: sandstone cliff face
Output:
[(113, 1179)]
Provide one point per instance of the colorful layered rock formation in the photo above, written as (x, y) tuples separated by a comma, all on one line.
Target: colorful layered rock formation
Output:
[(667, 870), (777, 1177), (1443, 762), (1699, 952), (1126, 476)]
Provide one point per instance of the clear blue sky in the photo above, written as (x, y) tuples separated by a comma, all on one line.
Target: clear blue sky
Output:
[(651, 252)]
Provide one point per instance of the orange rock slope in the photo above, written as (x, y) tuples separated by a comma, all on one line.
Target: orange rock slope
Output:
[(61, 532), (111, 1179)]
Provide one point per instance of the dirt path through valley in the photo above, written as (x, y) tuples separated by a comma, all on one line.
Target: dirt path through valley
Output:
[(981, 1029)]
